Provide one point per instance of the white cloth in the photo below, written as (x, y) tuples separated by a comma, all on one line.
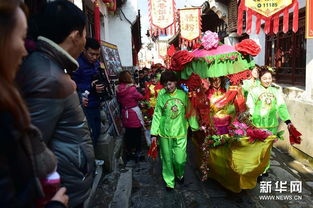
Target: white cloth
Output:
[(140, 117), (138, 113)]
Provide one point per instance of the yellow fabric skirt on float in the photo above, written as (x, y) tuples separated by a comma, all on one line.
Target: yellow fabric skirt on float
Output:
[(236, 166)]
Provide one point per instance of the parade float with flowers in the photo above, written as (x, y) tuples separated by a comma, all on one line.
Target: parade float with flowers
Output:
[(230, 149)]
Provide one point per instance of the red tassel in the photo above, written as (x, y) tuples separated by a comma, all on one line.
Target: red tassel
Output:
[(267, 25), (276, 24), (258, 24), (249, 21), (286, 21), (153, 150), (240, 17), (294, 135), (295, 16)]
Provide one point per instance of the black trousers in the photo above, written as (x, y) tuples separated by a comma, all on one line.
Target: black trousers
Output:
[(133, 140)]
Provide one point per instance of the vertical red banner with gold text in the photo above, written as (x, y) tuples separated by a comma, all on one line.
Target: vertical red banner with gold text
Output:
[(190, 25), (162, 17), (309, 19)]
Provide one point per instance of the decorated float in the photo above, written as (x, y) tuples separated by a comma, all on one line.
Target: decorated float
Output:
[(229, 149)]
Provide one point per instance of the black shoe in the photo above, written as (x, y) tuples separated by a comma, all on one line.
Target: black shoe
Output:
[(180, 181), (169, 189), (265, 174)]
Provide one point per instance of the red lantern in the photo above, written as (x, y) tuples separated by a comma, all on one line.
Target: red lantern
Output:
[(112, 6)]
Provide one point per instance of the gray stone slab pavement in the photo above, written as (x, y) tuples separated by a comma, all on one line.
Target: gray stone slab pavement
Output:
[(123, 190), (148, 188)]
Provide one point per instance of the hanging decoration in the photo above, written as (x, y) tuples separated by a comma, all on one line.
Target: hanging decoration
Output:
[(309, 19), (162, 17), (179, 59), (97, 20), (268, 11), (190, 26), (162, 48), (111, 5), (171, 50)]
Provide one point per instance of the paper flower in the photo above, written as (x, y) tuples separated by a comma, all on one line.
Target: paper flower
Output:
[(260, 134), (179, 59), (194, 82), (210, 40), (248, 47), (196, 46)]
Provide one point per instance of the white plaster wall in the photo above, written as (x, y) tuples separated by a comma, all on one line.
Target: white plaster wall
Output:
[(309, 70), (259, 39), (120, 31), (104, 27)]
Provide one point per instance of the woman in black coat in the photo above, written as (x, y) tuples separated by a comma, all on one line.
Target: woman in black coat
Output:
[(19, 164)]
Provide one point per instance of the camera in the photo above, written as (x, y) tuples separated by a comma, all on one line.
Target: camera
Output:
[(106, 94)]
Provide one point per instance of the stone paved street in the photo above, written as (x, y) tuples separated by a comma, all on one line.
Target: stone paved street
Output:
[(148, 187)]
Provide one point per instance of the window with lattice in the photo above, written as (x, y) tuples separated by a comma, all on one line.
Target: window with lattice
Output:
[(287, 52)]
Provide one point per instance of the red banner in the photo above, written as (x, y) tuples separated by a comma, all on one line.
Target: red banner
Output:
[(190, 25), (162, 17), (309, 19), (97, 20), (268, 11)]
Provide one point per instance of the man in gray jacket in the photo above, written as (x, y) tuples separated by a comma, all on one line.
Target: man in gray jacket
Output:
[(52, 99)]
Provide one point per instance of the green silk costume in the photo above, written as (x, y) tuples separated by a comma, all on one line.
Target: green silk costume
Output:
[(170, 123), (265, 105), (248, 85)]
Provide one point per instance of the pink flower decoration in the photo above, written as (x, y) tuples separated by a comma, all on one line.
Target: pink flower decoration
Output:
[(243, 126), (236, 124), (240, 132), (210, 40)]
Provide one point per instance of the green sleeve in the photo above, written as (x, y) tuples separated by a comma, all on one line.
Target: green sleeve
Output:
[(193, 120), (282, 107), (245, 87), (155, 126), (251, 100)]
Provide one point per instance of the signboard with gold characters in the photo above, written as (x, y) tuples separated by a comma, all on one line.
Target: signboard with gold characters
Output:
[(267, 7), (162, 48), (189, 23), (162, 13)]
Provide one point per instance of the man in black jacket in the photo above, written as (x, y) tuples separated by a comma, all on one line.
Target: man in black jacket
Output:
[(51, 95)]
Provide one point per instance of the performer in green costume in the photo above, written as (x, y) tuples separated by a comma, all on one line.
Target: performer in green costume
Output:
[(170, 124), (249, 84), (266, 104)]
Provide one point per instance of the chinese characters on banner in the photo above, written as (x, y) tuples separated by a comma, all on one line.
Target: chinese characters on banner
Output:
[(309, 19), (268, 11), (190, 25), (162, 17)]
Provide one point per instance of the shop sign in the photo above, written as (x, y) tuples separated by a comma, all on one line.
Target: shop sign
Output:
[(267, 7), (268, 12)]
